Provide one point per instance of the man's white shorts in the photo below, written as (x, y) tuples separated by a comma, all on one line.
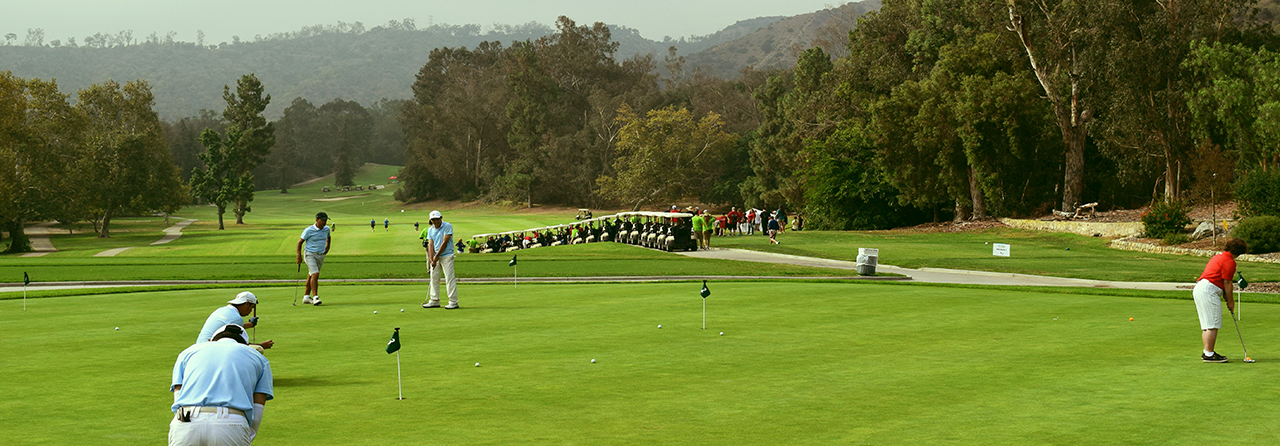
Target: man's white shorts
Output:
[(1208, 304), (314, 261), (211, 428)]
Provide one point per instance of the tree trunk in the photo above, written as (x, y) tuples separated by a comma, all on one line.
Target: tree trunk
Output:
[(19, 242), (240, 211), (976, 196), (1073, 178), (221, 210), (105, 230), (962, 212)]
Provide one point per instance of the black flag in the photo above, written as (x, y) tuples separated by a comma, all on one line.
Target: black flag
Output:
[(394, 345), (705, 291), (26, 280), (1242, 283), (513, 261)]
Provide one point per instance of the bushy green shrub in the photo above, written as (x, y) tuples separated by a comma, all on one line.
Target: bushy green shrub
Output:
[(1261, 233), (1175, 239), (1258, 193), (1165, 219)]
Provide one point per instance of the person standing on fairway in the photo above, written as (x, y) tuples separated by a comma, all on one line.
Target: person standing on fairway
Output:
[(437, 240), (773, 230), (220, 390), (386, 224), (1212, 286), (232, 314), (373, 225), (317, 242)]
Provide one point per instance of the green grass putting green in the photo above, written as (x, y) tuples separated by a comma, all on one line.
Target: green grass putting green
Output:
[(799, 363), (1041, 253)]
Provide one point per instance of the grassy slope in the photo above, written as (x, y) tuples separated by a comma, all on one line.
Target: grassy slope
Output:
[(1032, 253), (798, 364), (264, 247)]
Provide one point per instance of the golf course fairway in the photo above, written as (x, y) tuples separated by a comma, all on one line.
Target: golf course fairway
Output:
[(799, 363)]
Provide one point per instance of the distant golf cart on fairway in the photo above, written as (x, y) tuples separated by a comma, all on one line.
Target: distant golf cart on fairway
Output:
[(667, 231), (583, 214)]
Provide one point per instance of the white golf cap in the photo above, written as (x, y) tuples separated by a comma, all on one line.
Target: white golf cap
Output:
[(436, 214), (244, 297), (243, 337)]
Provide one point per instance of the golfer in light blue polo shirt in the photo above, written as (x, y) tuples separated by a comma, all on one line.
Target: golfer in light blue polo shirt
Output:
[(232, 314), (220, 390), (437, 239), (317, 241)]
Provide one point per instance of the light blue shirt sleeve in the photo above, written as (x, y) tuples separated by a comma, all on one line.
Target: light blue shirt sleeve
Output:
[(220, 318), (437, 238)]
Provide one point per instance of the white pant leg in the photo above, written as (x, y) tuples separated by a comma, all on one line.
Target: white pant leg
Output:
[(450, 280), (433, 295), (211, 429), (1208, 298)]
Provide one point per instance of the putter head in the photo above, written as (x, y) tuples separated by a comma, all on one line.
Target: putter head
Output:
[(1250, 360)]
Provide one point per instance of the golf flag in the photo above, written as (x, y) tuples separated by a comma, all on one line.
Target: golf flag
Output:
[(26, 280), (705, 291), (394, 345), (1242, 283), (513, 261)]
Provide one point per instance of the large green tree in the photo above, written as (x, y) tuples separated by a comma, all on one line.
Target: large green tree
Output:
[(665, 155), (39, 138), (244, 116), (126, 167), (218, 180)]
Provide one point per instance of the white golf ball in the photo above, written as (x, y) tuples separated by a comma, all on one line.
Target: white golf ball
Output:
[(375, 311), (659, 326), (402, 310), (593, 361), (477, 364), (117, 328), (722, 333)]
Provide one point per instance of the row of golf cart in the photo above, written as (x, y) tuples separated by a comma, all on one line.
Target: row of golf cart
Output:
[(667, 231)]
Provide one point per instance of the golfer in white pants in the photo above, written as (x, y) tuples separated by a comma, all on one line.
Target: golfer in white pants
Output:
[(437, 239), (220, 390)]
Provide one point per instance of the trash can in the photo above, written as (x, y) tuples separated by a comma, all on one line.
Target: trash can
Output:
[(867, 260)]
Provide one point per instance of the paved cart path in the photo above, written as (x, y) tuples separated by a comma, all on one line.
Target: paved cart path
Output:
[(173, 232), (933, 275), (39, 236)]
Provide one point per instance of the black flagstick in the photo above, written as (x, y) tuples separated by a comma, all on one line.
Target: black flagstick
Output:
[(705, 292)]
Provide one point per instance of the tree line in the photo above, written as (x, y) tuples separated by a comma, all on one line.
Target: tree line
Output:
[(940, 110), (99, 157)]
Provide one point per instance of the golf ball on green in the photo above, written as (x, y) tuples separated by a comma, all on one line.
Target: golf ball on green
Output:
[(402, 310), (659, 326), (375, 311), (477, 364), (722, 333), (117, 328), (593, 361)]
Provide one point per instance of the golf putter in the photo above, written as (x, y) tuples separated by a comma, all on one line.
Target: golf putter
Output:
[(255, 324), (1246, 349), (297, 280)]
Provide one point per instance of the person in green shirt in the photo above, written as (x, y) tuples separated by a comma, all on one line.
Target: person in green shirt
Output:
[(699, 224)]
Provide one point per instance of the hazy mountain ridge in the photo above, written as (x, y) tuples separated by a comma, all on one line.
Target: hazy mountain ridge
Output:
[(777, 44), (363, 66)]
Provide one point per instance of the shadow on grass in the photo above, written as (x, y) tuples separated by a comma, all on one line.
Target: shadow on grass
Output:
[(313, 382)]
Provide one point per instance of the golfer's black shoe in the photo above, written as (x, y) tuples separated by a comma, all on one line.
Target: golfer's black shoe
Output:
[(430, 305), (1215, 358)]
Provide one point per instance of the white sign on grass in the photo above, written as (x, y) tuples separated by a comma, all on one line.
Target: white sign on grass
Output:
[(1000, 249)]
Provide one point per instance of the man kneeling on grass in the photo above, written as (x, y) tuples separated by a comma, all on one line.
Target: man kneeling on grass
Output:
[(1213, 285)]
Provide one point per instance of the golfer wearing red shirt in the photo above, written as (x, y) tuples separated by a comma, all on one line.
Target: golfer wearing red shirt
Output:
[(1213, 285)]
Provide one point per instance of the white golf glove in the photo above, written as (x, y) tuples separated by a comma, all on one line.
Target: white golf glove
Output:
[(257, 420)]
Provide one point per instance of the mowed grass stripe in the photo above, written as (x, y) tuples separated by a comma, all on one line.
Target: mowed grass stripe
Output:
[(799, 364)]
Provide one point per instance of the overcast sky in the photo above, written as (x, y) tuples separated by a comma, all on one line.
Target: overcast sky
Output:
[(245, 18)]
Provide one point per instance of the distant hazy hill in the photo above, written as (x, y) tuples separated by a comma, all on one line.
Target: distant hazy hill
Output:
[(776, 44), (323, 63)]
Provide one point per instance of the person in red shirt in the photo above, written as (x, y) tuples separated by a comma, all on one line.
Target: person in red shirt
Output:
[(735, 217), (1212, 286)]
